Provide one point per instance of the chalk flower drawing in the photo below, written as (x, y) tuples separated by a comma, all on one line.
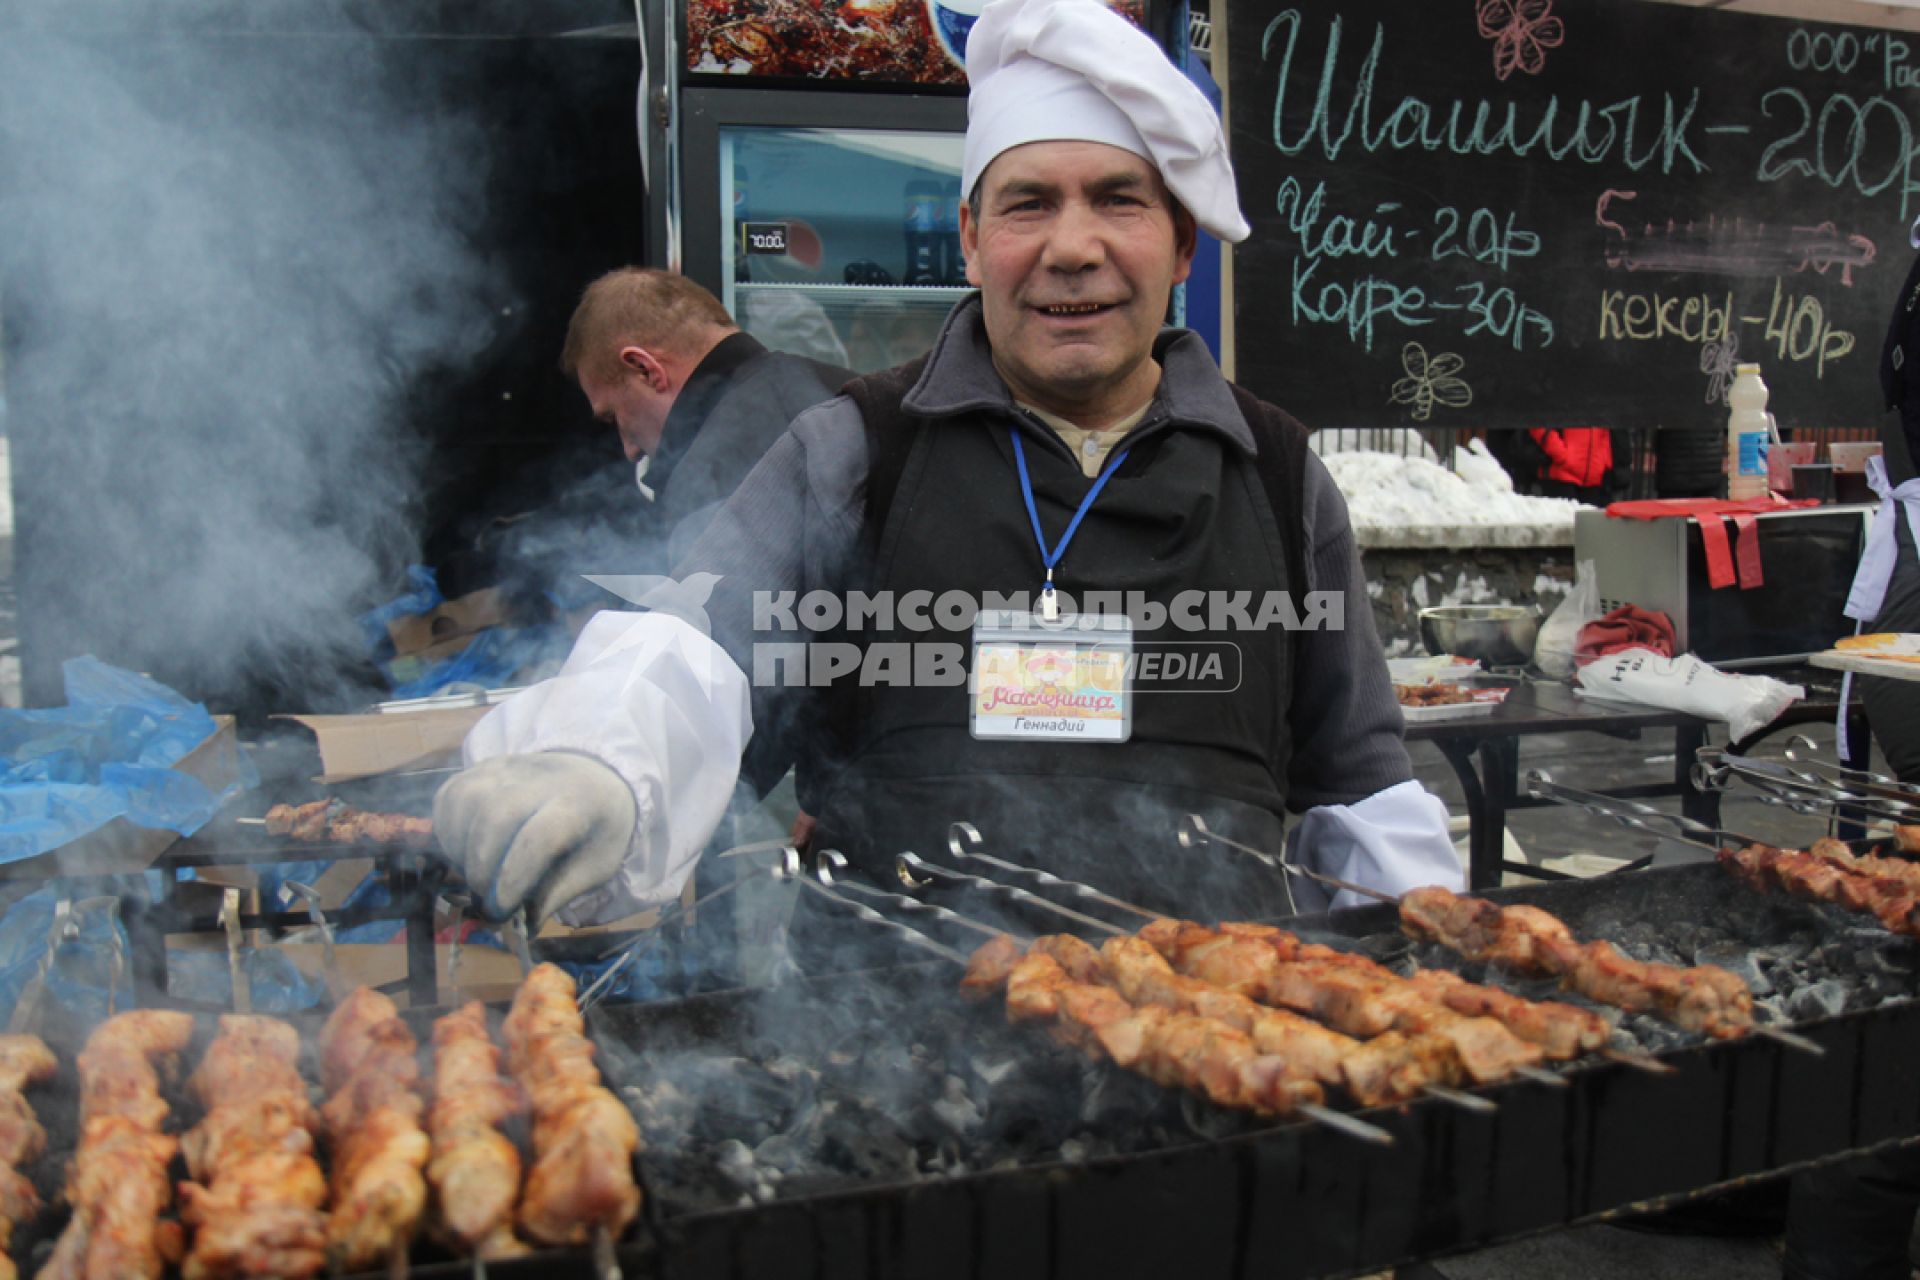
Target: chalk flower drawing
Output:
[(1717, 361), (1431, 382), (1522, 31)]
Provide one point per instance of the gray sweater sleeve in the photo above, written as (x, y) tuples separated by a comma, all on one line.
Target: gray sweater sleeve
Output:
[(793, 526), (1347, 728)]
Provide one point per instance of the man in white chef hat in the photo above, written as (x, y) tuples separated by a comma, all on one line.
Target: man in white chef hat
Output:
[(1059, 448)]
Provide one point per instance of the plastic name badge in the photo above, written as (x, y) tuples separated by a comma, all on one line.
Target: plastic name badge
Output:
[(1066, 678)]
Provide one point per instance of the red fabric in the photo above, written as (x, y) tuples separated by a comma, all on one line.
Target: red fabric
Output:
[(1713, 541), (1725, 565), (1746, 554), (1579, 456), (1628, 627), (1669, 508)]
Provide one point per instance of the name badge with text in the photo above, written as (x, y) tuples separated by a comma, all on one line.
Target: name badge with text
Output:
[(1064, 678)]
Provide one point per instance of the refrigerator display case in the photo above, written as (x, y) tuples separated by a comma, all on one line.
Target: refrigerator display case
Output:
[(809, 163), (832, 237)]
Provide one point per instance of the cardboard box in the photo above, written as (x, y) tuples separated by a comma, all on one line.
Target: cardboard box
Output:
[(365, 745), (473, 612), (120, 847)]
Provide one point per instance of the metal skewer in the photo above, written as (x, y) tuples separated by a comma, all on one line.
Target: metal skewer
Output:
[(397, 1261), (860, 909), (1891, 787), (631, 951), (330, 964), (513, 931), (832, 860), (606, 1266), (1639, 1061), (479, 1268), (26, 1008), (1635, 816), (236, 971), (964, 841), (1195, 834), (916, 873), (1789, 1039)]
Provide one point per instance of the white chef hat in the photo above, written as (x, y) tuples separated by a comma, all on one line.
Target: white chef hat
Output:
[(1074, 70)]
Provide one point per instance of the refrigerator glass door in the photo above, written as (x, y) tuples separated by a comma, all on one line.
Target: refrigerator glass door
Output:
[(841, 244)]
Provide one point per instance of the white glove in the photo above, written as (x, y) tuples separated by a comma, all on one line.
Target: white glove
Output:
[(536, 830)]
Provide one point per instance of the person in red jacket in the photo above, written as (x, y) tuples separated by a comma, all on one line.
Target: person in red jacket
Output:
[(1570, 462)]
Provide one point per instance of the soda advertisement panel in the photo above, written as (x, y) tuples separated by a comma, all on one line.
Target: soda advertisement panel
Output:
[(916, 42)]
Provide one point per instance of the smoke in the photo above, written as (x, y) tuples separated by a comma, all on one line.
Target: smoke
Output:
[(232, 263)]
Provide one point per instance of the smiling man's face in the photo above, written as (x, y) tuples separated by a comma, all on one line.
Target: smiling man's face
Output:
[(1075, 252)]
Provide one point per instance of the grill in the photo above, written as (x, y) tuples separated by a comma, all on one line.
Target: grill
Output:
[(954, 1145), (868, 1122)]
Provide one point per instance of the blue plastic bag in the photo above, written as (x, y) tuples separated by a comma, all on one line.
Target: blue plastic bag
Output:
[(107, 754)]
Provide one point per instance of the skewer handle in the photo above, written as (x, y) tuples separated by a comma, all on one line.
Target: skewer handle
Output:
[(479, 1268), (397, 1261), (963, 841), (1340, 1122), (916, 873), (867, 913)]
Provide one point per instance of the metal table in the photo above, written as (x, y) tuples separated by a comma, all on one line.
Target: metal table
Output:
[(1484, 752)]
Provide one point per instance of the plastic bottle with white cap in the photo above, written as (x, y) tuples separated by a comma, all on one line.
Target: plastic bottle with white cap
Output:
[(1749, 428)]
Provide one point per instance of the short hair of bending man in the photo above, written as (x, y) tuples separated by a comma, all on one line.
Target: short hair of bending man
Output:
[(642, 307)]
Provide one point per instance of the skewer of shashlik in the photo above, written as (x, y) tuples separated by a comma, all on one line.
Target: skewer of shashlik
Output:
[(329, 821), (1834, 851), (1173, 1048), (1563, 1031), (1354, 999), (1822, 875), (370, 1068), (475, 1168), (1704, 998), (584, 1137), (24, 1060), (257, 1191), (118, 1185)]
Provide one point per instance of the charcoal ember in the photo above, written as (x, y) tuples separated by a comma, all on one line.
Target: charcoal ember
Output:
[(1742, 962), (1897, 961), (871, 1154), (1112, 1096), (780, 1155), (955, 1108), (734, 1159), (1824, 999), (991, 1071), (1204, 1120)]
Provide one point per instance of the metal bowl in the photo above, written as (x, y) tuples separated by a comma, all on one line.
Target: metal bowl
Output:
[(1499, 635)]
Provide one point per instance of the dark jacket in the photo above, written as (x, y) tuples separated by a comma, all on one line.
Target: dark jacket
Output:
[(738, 401)]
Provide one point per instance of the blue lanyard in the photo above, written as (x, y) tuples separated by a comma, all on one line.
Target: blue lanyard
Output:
[(1052, 558)]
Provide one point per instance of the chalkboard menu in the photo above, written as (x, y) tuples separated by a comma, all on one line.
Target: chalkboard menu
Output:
[(1566, 212)]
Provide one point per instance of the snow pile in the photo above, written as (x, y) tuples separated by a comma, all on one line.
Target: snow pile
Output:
[(1410, 502)]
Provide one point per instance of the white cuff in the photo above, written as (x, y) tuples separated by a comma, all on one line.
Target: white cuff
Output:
[(662, 705), (1393, 841)]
